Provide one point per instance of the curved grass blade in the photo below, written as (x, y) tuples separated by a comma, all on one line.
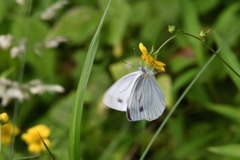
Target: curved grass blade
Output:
[(49, 152), (183, 95), (75, 128)]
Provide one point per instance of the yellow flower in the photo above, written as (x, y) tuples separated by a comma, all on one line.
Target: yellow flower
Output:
[(7, 130), (4, 117), (33, 139), (150, 60)]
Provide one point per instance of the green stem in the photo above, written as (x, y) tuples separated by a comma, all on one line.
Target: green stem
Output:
[(211, 49), (169, 39), (183, 95), (143, 144), (20, 78), (0, 138)]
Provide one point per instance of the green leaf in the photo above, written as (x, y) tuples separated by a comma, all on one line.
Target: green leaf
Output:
[(192, 145), (140, 12), (151, 30), (230, 58), (184, 79), (45, 66), (3, 11), (75, 127), (223, 21), (179, 63), (119, 69), (165, 82), (204, 6), (36, 26), (228, 111), (192, 25), (231, 150), (78, 24), (116, 28), (45, 145), (199, 94), (175, 127)]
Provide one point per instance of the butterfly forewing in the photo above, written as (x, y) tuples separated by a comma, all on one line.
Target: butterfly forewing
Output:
[(117, 95)]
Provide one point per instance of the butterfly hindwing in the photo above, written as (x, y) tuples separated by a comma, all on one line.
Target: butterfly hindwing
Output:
[(146, 100)]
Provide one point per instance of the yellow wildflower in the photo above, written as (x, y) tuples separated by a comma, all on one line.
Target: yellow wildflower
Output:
[(3, 117), (7, 130), (150, 60), (33, 139)]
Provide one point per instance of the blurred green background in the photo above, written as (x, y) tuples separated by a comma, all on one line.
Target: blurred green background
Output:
[(204, 126)]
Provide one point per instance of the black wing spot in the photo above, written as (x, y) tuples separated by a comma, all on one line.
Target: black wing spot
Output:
[(128, 115), (120, 100), (141, 108)]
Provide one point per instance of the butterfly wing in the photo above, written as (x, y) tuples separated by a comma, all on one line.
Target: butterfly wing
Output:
[(146, 100), (117, 95)]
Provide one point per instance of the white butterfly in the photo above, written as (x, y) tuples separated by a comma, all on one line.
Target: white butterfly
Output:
[(138, 94)]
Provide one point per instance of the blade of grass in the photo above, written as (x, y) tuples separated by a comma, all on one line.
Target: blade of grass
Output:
[(26, 158), (75, 127), (45, 145), (7, 72), (20, 77), (183, 95)]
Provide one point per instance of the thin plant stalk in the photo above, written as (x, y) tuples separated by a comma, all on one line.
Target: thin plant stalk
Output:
[(183, 95), (20, 78), (143, 144), (209, 47)]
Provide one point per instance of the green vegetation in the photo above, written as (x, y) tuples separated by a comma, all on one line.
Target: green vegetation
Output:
[(57, 42)]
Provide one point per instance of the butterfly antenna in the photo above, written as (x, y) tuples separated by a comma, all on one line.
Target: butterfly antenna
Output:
[(152, 69), (135, 55), (128, 64), (156, 72)]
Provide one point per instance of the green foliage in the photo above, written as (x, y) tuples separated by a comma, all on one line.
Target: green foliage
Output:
[(207, 116), (231, 150)]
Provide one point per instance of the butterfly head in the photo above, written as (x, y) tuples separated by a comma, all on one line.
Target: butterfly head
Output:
[(145, 70)]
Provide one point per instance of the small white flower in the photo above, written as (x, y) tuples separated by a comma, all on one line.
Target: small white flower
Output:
[(6, 41), (20, 2), (54, 88), (50, 12), (12, 93), (15, 51), (12, 89), (53, 43), (18, 51)]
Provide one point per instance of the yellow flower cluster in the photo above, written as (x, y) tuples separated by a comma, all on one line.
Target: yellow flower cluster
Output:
[(33, 139), (150, 60), (7, 130)]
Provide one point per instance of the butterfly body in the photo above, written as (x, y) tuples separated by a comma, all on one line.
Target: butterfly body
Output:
[(138, 94)]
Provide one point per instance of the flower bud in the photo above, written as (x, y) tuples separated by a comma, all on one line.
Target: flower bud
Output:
[(3, 117), (203, 34), (172, 29)]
